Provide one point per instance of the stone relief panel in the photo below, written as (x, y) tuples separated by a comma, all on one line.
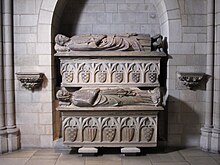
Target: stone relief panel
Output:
[(100, 129), (96, 72)]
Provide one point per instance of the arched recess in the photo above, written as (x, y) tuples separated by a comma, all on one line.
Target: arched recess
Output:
[(48, 24)]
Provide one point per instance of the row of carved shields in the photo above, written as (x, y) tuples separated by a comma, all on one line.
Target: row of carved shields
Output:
[(109, 133), (118, 77)]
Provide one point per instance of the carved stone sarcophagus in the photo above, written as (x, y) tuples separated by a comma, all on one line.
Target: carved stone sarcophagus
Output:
[(110, 92)]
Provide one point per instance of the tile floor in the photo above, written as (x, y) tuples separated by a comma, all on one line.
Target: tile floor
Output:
[(189, 156)]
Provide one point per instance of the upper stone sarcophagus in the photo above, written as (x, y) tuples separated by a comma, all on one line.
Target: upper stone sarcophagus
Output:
[(112, 63)]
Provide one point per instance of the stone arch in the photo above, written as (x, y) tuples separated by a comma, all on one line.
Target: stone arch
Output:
[(49, 19)]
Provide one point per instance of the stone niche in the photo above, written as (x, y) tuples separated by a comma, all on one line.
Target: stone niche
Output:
[(110, 93)]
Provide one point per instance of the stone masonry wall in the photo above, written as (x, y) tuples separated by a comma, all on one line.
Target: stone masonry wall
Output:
[(186, 108), (187, 50)]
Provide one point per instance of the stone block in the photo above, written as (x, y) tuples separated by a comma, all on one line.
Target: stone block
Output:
[(194, 30), (44, 33), (26, 60), (22, 29), (20, 48), (191, 140), (200, 48), (42, 48), (16, 20), (174, 140), (133, 28), (134, 8), (175, 28), (45, 118), (188, 95), (173, 14), (23, 97), (94, 1), (88, 150), (87, 18), (27, 118), (83, 29), (31, 48), (101, 29), (94, 8), (114, 1), (184, 19), (46, 141), (153, 18), (44, 96), (181, 48), (24, 6), (178, 60), (28, 20), (48, 5), (123, 18), (45, 60), (104, 18), (119, 28), (132, 1), (3, 142), (196, 60), (111, 7), (25, 38), (141, 17), (28, 107), (197, 20), (195, 7), (189, 37), (38, 5), (30, 140), (47, 107), (130, 150), (175, 129), (171, 4), (45, 17)]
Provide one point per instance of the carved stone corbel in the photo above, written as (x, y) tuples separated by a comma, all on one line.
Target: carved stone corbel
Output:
[(190, 80), (30, 80)]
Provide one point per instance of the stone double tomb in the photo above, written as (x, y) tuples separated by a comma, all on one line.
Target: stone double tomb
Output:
[(110, 90)]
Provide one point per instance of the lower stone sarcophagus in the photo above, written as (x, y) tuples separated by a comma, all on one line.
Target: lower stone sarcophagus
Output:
[(110, 128), (109, 98)]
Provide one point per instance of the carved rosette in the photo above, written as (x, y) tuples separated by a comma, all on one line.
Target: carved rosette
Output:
[(30, 80), (110, 129)]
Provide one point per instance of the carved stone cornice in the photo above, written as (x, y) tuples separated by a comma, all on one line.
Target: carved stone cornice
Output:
[(190, 80), (30, 80)]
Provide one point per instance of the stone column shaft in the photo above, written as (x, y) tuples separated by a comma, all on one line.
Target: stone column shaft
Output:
[(8, 62), (13, 138), (215, 142), (206, 131), (3, 131)]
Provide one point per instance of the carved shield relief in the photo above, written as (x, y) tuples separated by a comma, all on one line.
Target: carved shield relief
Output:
[(102, 76), (152, 76), (136, 77), (68, 77), (72, 133), (148, 133), (118, 77), (128, 133), (85, 76), (110, 133), (91, 133)]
